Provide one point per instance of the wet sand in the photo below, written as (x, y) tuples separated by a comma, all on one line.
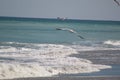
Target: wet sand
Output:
[(100, 56), (70, 78)]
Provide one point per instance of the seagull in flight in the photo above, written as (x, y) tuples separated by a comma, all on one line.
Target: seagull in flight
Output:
[(117, 2), (71, 31)]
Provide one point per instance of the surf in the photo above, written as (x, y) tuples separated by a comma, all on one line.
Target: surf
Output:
[(32, 60), (113, 42)]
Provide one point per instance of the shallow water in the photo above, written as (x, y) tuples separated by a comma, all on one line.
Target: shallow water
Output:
[(114, 71)]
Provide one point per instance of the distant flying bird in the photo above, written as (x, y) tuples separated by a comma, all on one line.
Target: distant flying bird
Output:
[(117, 2), (70, 30)]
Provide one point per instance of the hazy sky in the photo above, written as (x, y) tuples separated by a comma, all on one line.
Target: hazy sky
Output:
[(73, 9)]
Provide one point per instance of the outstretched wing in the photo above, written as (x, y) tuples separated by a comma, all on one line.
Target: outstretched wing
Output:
[(73, 31), (80, 37), (70, 30), (117, 2)]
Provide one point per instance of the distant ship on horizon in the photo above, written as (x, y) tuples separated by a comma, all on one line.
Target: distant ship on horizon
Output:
[(61, 18)]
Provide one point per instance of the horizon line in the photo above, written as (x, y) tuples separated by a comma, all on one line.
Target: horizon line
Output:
[(57, 18)]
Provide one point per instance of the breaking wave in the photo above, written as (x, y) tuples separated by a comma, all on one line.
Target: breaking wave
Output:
[(41, 60), (113, 42)]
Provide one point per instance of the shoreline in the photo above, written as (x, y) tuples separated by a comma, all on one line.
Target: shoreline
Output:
[(48, 61), (71, 78), (82, 57)]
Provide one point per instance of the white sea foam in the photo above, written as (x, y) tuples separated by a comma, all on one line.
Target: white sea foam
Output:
[(24, 70), (40, 60), (112, 42)]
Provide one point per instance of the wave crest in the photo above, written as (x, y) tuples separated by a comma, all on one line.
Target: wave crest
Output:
[(112, 42)]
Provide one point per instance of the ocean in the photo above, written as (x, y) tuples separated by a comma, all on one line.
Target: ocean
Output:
[(32, 47)]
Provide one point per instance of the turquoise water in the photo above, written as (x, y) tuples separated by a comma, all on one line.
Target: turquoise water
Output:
[(44, 30), (25, 40)]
